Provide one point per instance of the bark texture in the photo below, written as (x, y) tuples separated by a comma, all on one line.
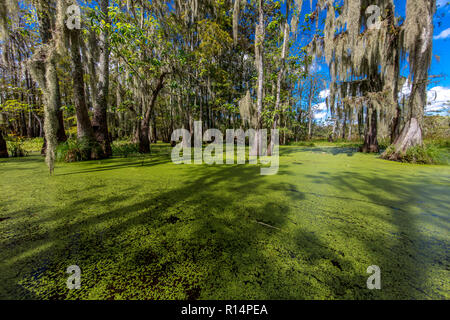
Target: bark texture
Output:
[(85, 133), (370, 138), (410, 136), (281, 74), (43, 69), (3, 147), (100, 121), (418, 34), (259, 60), (144, 140)]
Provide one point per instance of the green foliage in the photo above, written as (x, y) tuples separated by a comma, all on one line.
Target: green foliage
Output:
[(33, 145), (214, 40), (14, 106), (74, 150), (436, 127), (303, 144), (124, 148), (384, 143), (165, 231), (16, 147), (428, 153), (69, 151), (443, 143)]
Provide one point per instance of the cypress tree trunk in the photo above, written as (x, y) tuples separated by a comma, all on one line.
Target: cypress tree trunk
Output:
[(280, 78), (99, 121), (370, 138), (344, 125), (350, 124), (333, 132), (61, 133), (259, 60), (3, 147), (144, 141), (411, 135), (154, 132), (419, 60), (42, 64), (84, 127), (43, 68), (396, 125), (310, 115)]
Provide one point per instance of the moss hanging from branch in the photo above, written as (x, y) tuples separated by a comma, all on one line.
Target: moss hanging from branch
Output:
[(295, 16), (43, 70), (248, 111), (236, 17), (354, 56), (8, 13), (418, 43)]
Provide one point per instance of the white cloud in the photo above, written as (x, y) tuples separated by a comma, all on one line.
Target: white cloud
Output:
[(438, 100), (320, 107), (406, 89), (321, 116), (324, 94), (443, 35), (320, 111), (315, 67)]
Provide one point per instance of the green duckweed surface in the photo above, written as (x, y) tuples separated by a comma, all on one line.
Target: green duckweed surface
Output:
[(156, 230)]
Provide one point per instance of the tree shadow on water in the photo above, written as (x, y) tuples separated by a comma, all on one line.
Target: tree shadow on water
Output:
[(396, 239), (198, 240), (217, 236)]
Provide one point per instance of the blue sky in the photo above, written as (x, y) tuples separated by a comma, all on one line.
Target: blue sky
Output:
[(439, 90), (441, 42)]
